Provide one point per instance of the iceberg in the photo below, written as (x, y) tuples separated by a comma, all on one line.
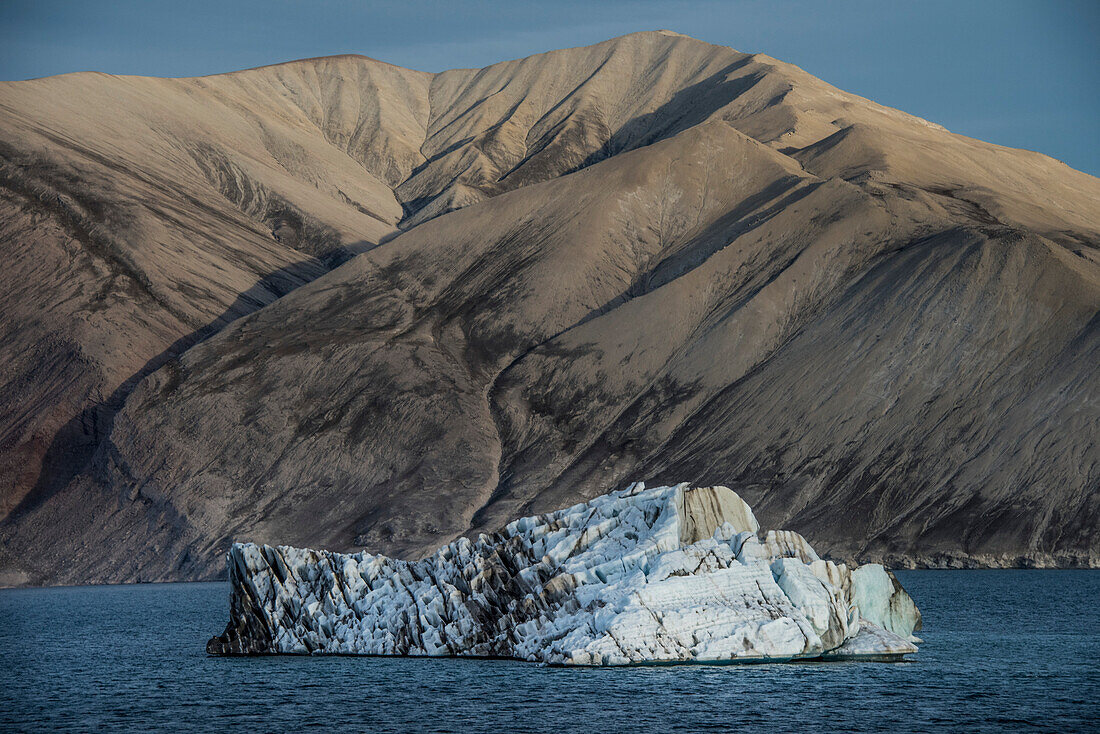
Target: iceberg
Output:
[(672, 574)]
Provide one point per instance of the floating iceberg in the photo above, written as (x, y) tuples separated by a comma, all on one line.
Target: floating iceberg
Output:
[(665, 574)]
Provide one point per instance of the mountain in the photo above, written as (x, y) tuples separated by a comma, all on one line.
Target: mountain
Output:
[(335, 303)]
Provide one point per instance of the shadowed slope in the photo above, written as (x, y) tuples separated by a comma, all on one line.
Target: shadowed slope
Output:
[(142, 214)]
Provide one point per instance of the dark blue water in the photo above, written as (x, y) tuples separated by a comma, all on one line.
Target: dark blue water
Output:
[(1004, 651)]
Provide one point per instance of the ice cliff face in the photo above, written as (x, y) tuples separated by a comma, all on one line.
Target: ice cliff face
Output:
[(668, 574)]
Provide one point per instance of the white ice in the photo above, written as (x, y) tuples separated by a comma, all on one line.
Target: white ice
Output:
[(665, 574)]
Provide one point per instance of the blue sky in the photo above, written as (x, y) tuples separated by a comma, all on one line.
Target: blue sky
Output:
[(1025, 74)]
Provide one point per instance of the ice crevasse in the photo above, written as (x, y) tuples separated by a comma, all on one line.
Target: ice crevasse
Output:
[(642, 575)]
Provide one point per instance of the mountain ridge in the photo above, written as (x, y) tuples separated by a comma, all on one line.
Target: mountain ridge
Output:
[(590, 191)]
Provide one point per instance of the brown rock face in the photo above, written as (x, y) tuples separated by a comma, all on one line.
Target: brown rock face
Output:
[(652, 258)]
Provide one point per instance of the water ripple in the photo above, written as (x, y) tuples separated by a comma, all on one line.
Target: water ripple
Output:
[(1004, 651)]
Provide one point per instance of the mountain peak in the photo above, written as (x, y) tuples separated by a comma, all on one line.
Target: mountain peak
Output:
[(336, 302)]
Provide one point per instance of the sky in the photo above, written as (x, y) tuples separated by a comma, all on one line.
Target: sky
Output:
[(1019, 73)]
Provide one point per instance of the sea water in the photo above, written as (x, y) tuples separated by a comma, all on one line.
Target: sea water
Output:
[(1003, 651)]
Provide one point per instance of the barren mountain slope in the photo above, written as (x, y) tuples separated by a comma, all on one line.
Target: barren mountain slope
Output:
[(142, 214), (884, 334), (138, 215)]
